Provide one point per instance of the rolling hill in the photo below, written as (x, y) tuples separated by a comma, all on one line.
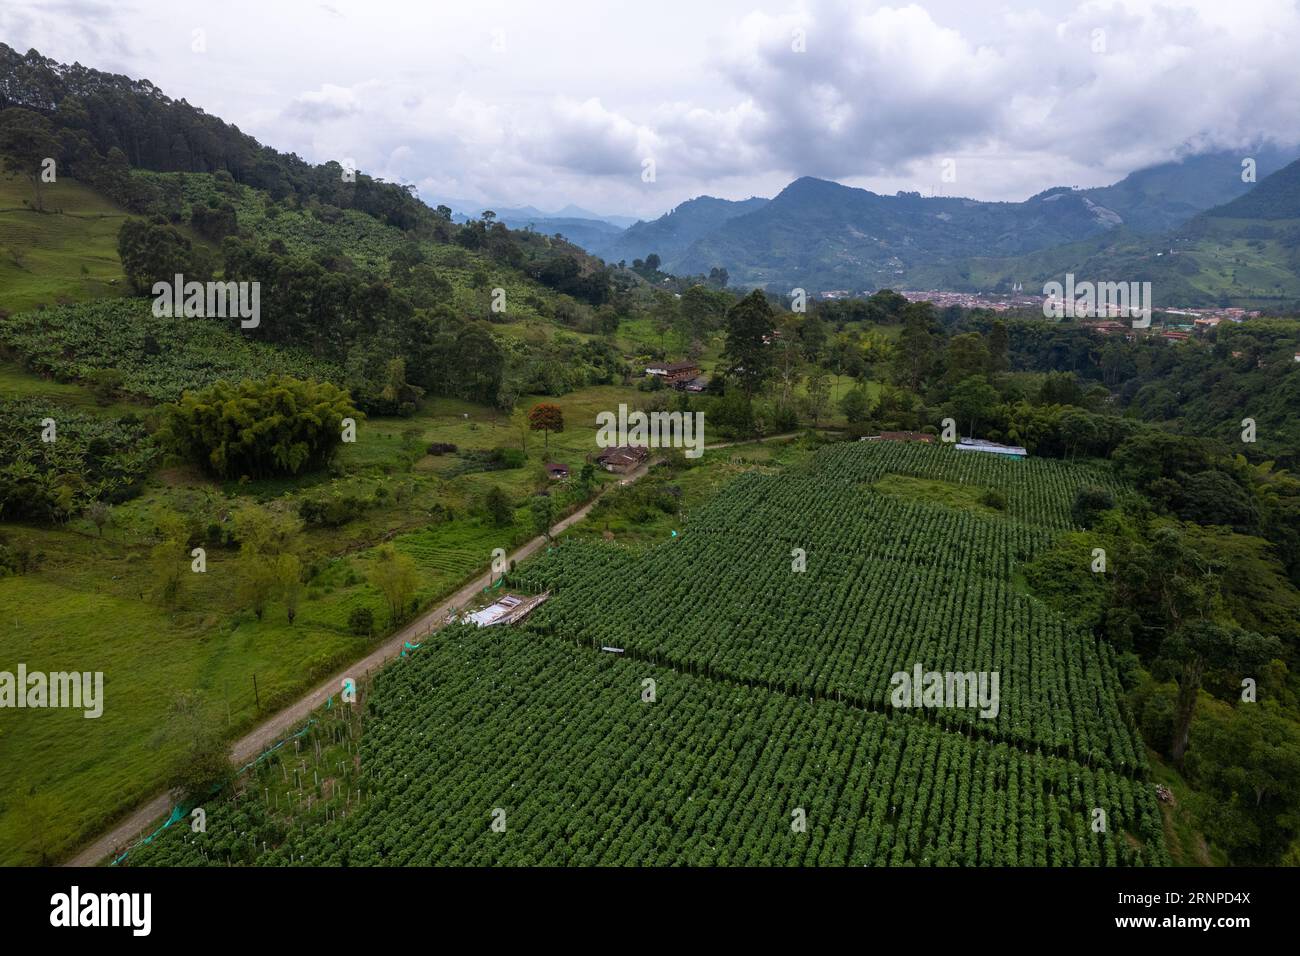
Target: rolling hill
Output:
[(672, 234), (391, 278), (66, 254)]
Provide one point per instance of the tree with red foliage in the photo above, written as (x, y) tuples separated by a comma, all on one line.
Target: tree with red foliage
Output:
[(546, 417)]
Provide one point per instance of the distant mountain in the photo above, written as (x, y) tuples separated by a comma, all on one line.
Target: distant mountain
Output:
[(1159, 198), (577, 212), (465, 209), (587, 233), (1245, 252), (568, 212), (672, 234), (1276, 197), (821, 235)]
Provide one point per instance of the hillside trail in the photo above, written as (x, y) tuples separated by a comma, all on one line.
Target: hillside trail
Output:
[(141, 820)]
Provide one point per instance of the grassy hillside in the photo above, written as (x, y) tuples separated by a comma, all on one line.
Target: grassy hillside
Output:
[(17, 384), (314, 228), (159, 358), (88, 599), (66, 254)]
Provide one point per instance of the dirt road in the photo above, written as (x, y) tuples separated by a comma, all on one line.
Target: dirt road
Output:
[(145, 818)]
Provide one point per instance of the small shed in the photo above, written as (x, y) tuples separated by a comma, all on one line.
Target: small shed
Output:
[(991, 448), (508, 609), (556, 470)]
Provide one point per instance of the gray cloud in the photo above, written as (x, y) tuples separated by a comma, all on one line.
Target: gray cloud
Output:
[(327, 103), (536, 104)]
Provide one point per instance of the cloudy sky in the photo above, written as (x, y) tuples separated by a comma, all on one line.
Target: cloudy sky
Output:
[(562, 102)]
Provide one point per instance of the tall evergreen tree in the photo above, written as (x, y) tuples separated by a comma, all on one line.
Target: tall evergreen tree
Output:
[(748, 352)]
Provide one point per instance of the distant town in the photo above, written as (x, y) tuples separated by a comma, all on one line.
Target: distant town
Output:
[(1178, 323)]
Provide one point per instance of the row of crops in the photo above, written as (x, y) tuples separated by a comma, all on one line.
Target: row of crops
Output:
[(771, 701), (887, 584), (1038, 491), (159, 358), (367, 240), (557, 745), (828, 520), (90, 456)]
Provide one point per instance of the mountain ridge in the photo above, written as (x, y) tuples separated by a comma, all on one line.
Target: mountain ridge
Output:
[(672, 233), (820, 234), (1243, 252)]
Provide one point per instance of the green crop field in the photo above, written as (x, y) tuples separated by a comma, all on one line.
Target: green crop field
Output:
[(771, 704), (72, 341), (109, 619)]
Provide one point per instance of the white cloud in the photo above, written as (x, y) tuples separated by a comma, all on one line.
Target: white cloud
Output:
[(583, 92)]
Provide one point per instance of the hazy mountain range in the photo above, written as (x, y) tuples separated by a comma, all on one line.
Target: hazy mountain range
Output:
[(520, 217), (821, 235)]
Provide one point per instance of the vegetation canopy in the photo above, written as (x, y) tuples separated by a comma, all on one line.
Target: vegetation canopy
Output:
[(277, 426)]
